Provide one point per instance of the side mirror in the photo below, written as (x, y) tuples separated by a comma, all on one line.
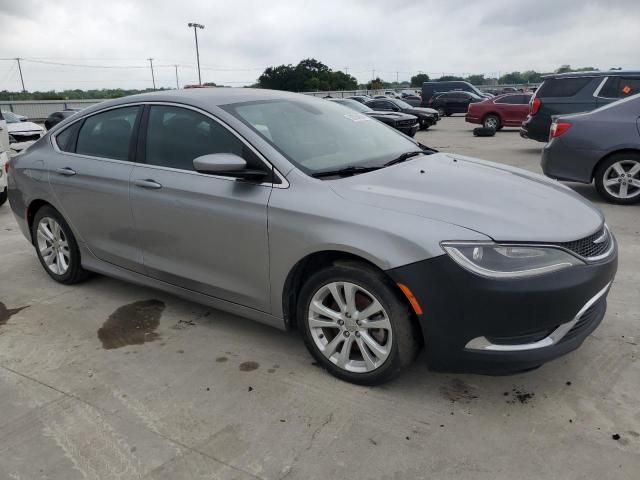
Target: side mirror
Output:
[(396, 109), (227, 164)]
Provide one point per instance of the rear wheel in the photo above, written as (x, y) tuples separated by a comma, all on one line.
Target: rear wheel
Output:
[(491, 121), (617, 178), (355, 324), (442, 112), (56, 247)]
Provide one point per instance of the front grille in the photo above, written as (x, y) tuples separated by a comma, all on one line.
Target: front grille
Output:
[(26, 138), (587, 247), (592, 315), (405, 123)]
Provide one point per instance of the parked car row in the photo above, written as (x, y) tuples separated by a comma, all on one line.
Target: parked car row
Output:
[(407, 124), (20, 129)]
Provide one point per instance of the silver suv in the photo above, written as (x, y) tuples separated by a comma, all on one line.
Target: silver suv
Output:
[(301, 213)]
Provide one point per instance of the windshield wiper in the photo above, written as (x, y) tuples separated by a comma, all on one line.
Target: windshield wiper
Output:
[(340, 172), (404, 157)]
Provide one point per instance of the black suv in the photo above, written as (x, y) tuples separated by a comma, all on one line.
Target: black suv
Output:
[(453, 102), (575, 92)]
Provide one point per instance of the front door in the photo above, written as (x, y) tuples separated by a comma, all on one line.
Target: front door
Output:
[(202, 232), (89, 177)]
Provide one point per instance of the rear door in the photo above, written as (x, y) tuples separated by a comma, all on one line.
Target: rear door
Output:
[(89, 176), (203, 232)]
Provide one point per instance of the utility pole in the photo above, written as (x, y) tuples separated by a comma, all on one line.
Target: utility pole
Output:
[(195, 27), (396, 77), (346, 70), (177, 83), (153, 77), (21, 79), (373, 74)]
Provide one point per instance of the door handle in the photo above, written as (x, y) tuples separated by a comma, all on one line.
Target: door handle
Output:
[(66, 171), (147, 183)]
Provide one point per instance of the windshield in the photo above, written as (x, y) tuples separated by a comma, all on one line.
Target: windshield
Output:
[(401, 103), (316, 135), (353, 105), (10, 117)]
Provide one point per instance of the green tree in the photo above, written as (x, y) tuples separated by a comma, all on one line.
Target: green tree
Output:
[(376, 84), (477, 79), (419, 79), (308, 75)]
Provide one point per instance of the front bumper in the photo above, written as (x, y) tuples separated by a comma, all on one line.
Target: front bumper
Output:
[(491, 326), (409, 130)]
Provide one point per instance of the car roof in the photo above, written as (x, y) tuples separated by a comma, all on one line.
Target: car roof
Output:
[(592, 73)]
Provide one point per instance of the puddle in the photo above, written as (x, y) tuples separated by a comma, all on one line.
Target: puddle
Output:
[(248, 366), (7, 313), (132, 324)]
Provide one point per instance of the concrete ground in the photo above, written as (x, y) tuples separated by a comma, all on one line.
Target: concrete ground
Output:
[(204, 394)]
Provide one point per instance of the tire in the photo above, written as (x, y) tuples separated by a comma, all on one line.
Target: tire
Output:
[(3, 196), (424, 125), (617, 178), (58, 239), (441, 111), (393, 316), (492, 121)]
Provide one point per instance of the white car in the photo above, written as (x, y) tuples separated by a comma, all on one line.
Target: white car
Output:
[(4, 159), (21, 131)]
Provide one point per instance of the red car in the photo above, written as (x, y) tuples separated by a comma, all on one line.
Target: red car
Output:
[(508, 110)]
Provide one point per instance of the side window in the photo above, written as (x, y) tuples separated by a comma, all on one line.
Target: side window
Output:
[(620, 87), (511, 99), (108, 134), (176, 136), (562, 87), (66, 139)]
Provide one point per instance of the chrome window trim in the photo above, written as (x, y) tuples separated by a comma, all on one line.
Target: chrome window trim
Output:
[(483, 344), (596, 92), (284, 183)]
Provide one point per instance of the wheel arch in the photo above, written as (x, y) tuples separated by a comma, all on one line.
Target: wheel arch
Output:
[(32, 209), (316, 261), (635, 151)]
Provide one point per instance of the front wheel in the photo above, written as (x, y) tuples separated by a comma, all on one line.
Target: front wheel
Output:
[(356, 325), (442, 112), (617, 179), (3, 196)]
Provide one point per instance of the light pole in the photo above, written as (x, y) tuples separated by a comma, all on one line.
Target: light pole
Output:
[(153, 77), (196, 26)]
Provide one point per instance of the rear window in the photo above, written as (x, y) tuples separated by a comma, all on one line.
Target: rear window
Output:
[(562, 87)]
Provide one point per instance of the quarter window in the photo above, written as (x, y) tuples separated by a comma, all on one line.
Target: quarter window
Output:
[(620, 87), (66, 140), (108, 134), (510, 99), (176, 136)]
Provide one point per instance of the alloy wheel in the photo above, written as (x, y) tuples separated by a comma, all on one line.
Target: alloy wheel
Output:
[(53, 246), (491, 122), (622, 179), (350, 327)]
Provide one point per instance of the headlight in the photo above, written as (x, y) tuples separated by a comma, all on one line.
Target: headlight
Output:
[(509, 261)]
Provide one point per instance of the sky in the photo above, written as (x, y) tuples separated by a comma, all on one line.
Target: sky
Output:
[(386, 38)]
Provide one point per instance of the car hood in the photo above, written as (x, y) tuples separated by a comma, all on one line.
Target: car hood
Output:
[(426, 110), (24, 127), (394, 115), (504, 203)]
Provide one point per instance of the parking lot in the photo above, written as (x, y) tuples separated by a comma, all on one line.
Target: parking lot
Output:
[(190, 392)]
